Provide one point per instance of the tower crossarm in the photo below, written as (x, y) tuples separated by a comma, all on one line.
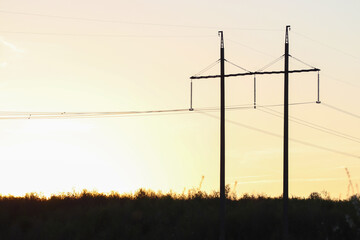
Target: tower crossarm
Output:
[(256, 73)]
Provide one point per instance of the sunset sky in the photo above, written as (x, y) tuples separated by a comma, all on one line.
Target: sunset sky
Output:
[(113, 56)]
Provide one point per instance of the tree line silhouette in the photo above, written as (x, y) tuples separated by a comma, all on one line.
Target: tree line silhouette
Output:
[(194, 215)]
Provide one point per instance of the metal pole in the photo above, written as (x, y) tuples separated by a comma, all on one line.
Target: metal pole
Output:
[(286, 139), (254, 91), (318, 90), (191, 108), (222, 138)]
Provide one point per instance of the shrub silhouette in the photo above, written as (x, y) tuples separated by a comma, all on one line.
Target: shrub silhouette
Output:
[(150, 215)]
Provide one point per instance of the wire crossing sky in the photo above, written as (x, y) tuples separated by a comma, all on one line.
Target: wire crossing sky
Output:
[(99, 93)]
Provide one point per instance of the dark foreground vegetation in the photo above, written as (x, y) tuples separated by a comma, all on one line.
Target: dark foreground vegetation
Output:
[(149, 215)]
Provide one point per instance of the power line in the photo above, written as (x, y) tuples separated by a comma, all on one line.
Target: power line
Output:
[(328, 46), (333, 48), (301, 61), (341, 110), (270, 64), (10, 115), (237, 66), (342, 81), (52, 115), (316, 125), (251, 48), (131, 22), (208, 67), (104, 35), (280, 136), (313, 126), (246, 106)]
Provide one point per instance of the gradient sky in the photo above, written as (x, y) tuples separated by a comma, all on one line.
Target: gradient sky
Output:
[(64, 56)]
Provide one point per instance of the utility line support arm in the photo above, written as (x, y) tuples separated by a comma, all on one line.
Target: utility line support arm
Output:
[(256, 73)]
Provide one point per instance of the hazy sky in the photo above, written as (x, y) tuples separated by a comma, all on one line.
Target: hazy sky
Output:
[(98, 56)]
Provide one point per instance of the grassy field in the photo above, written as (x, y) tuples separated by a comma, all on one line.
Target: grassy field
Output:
[(149, 215)]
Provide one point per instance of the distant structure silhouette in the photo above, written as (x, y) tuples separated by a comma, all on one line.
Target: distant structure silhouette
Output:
[(350, 185)]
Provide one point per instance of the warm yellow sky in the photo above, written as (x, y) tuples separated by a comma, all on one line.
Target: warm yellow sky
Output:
[(67, 56)]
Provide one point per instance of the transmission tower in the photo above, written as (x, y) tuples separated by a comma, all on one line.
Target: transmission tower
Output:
[(222, 76)]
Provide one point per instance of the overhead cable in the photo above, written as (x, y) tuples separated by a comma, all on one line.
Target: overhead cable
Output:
[(208, 68), (291, 139), (341, 110), (130, 22), (302, 61), (237, 66), (314, 126), (270, 64), (104, 35), (9, 115)]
